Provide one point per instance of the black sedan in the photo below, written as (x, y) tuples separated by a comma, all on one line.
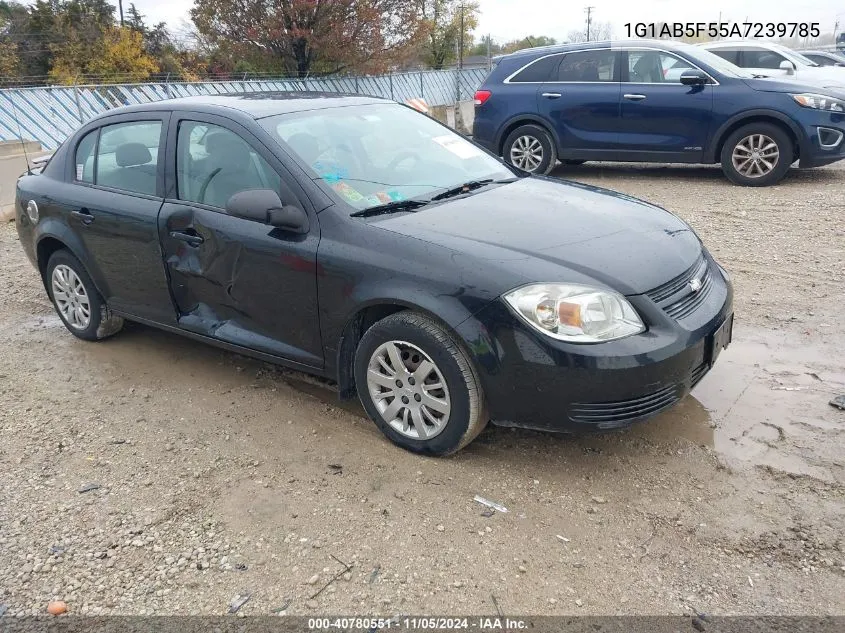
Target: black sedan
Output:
[(359, 240)]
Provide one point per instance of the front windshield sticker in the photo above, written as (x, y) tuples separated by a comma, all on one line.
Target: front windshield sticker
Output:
[(347, 192), (458, 146)]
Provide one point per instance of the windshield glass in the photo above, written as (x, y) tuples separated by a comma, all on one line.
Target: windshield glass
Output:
[(718, 64), (377, 154), (794, 56)]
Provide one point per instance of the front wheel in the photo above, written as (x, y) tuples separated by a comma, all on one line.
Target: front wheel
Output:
[(418, 386), (530, 148), (757, 155)]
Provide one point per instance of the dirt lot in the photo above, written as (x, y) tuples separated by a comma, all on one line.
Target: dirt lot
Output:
[(219, 475)]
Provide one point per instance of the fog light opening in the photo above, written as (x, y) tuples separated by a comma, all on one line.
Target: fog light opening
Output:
[(829, 137)]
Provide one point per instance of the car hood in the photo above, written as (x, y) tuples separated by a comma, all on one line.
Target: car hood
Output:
[(539, 229), (800, 83)]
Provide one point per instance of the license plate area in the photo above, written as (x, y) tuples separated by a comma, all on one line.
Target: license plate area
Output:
[(721, 339)]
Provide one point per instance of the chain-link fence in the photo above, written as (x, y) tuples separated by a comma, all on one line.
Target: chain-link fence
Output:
[(49, 114)]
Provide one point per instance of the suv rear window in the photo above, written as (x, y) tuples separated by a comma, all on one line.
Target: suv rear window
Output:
[(538, 71)]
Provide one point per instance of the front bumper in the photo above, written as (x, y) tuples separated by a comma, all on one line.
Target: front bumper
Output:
[(824, 141), (533, 381)]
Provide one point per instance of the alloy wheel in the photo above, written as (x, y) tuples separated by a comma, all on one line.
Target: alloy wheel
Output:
[(408, 390), (755, 155), (526, 153), (71, 297)]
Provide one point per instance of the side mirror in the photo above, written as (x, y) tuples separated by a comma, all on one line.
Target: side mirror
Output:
[(788, 66), (694, 77), (264, 205)]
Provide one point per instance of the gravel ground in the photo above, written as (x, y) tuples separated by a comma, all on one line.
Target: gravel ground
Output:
[(153, 475)]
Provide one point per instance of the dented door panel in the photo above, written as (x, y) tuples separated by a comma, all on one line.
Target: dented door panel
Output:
[(243, 282)]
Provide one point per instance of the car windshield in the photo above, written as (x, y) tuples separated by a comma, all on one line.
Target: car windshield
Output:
[(794, 56), (718, 64), (376, 154)]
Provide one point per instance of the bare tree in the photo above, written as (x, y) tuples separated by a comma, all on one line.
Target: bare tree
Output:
[(598, 31)]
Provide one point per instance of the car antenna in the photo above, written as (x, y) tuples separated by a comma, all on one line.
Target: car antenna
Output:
[(20, 135)]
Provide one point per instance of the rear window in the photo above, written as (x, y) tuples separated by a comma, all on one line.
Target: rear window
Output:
[(538, 71)]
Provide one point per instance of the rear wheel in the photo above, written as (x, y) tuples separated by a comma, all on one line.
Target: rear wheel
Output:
[(757, 155), (418, 386), (530, 148), (76, 300)]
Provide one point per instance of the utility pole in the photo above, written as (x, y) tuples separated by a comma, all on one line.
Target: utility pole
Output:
[(589, 11), (120, 4), (461, 41), (490, 58)]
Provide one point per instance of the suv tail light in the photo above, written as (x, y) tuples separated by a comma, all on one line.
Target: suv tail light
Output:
[(481, 96)]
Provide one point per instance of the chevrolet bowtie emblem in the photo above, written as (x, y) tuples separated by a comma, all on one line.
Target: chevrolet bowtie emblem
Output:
[(695, 284)]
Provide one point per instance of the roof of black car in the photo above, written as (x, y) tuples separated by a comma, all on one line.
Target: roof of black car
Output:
[(257, 104)]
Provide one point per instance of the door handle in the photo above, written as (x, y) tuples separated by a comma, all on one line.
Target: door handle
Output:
[(188, 236), (551, 95), (83, 214), (631, 97)]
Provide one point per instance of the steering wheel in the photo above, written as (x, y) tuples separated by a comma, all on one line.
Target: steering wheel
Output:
[(401, 157)]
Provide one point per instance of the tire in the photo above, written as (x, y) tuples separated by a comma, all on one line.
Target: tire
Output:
[(758, 137), (530, 137), (65, 272), (416, 339)]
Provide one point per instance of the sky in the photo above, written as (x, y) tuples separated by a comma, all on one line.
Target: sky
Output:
[(514, 19)]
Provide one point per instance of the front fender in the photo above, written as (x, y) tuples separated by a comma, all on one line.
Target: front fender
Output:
[(717, 138)]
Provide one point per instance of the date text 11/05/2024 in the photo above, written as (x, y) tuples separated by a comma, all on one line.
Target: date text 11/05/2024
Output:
[(417, 623), (722, 29)]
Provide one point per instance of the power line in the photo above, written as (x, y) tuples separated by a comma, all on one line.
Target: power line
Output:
[(589, 12)]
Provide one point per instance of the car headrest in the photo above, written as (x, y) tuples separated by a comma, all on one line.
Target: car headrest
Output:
[(132, 154), (306, 146), (227, 150)]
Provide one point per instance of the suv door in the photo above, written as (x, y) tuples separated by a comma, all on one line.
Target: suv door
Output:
[(581, 102), (662, 119), (240, 281), (112, 200)]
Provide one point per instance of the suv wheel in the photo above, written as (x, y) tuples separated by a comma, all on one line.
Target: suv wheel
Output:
[(757, 155), (418, 386), (530, 149), (77, 302)]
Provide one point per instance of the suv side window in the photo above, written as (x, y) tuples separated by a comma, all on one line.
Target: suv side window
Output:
[(538, 71), (761, 58), (588, 66), (127, 156), (85, 157), (728, 54), (655, 67), (213, 163)]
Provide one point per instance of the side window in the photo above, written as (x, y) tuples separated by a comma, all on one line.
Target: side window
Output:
[(654, 67), (728, 54), (127, 156), (213, 163), (588, 66), (540, 70), (761, 58), (84, 163)]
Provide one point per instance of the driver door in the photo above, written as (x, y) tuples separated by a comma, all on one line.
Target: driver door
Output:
[(236, 280)]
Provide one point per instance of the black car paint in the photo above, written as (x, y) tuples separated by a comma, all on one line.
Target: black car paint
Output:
[(301, 300)]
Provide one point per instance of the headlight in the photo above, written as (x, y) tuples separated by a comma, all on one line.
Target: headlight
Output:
[(819, 102), (575, 313)]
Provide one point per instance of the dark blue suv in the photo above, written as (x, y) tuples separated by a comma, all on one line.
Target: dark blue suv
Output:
[(654, 101)]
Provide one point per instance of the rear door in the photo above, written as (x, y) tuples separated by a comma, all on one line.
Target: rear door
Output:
[(240, 281), (582, 102), (662, 119), (112, 203)]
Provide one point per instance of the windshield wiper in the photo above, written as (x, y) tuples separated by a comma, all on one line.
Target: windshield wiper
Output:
[(464, 188), (390, 207)]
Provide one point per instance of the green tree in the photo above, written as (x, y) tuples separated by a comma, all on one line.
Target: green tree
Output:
[(443, 20)]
